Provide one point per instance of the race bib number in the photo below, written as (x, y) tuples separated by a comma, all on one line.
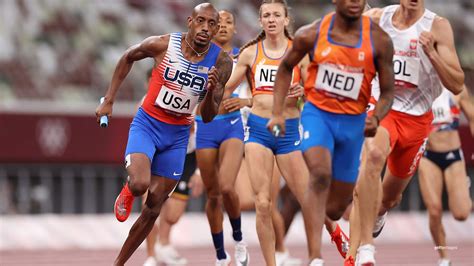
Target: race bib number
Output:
[(265, 77), (406, 69), (338, 81), (173, 101)]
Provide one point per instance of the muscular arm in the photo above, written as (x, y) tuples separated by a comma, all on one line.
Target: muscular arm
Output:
[(383, 59), (467, 107), (302, 45), (210, 104), (444, 57), (244, 61), (150, 47), (304, 64)]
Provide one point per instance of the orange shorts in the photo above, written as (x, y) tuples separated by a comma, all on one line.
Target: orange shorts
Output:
[(408, 136)]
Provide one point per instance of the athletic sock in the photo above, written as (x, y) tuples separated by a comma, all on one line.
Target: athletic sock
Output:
[(236, 232), (218, 240)]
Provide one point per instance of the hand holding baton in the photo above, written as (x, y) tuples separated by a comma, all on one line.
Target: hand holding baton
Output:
[(104, 120), (276, 130)]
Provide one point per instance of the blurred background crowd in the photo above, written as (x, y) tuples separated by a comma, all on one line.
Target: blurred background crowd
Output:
[(67, 50)]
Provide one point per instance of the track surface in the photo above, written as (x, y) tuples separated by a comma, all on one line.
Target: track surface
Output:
[(387, 254)]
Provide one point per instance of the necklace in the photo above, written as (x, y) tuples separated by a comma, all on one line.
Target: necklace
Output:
[(197, 53)]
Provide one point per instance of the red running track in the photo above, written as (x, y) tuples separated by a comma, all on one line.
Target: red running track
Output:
[(387, 254)]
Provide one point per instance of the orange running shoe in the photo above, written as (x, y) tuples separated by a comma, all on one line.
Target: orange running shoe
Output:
[(349, 261), (123, 204), (341, 240)]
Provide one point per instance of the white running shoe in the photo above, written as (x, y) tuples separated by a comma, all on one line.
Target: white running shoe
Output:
[(284, 259), (365, 255), (150, 261), (241, 254), (168, 255), (224, 262), (280, 257), (379, 223), (317, 262), (444, 262)]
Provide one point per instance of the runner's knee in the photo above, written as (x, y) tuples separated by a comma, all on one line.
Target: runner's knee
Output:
[(138, 186), (461, 214), (375, 155), (155, 199), (263, 205), (227, 188), (435, 210), (335, 210), (214, 199), (172, 219), (390, 203), (320, 178)]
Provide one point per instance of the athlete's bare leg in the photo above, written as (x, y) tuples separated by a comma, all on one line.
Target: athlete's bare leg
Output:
[(393, 187), (158, 192), (277, 218), (347, 212), (244, 189), (259, 160), (290, 206), (207, 162), (151, 241), (171, 212), (460, 202), (355, 226), (367, 196), (152, 236), (296, 174), (431, 185), (230, 159)]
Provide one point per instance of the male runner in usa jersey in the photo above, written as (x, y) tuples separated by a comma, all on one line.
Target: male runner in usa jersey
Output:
[(189, 69)]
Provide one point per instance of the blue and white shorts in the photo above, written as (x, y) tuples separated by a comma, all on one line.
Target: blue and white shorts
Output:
[(164, 144)]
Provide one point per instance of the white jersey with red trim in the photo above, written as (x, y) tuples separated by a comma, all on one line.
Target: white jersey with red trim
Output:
[(446, 112), (417, 83)]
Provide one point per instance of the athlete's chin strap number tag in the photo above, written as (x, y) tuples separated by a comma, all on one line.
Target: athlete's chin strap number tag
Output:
[(276, 130)]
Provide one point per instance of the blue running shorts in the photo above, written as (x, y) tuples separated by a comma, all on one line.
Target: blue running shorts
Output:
[(341, 134), (164, 144), (223, 127), (258, 133)]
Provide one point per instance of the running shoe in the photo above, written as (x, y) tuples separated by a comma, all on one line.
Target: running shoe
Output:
[(379, 224), (341, 240), (284, 259), (123, 204), (241, 254), (150, 261), (317, 262), (349, 261), (168, 255), (224, 262), (365, 255), (444, 262)]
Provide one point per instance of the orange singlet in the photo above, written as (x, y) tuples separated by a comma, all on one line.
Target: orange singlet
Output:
[(339, 75), (264, 69)]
